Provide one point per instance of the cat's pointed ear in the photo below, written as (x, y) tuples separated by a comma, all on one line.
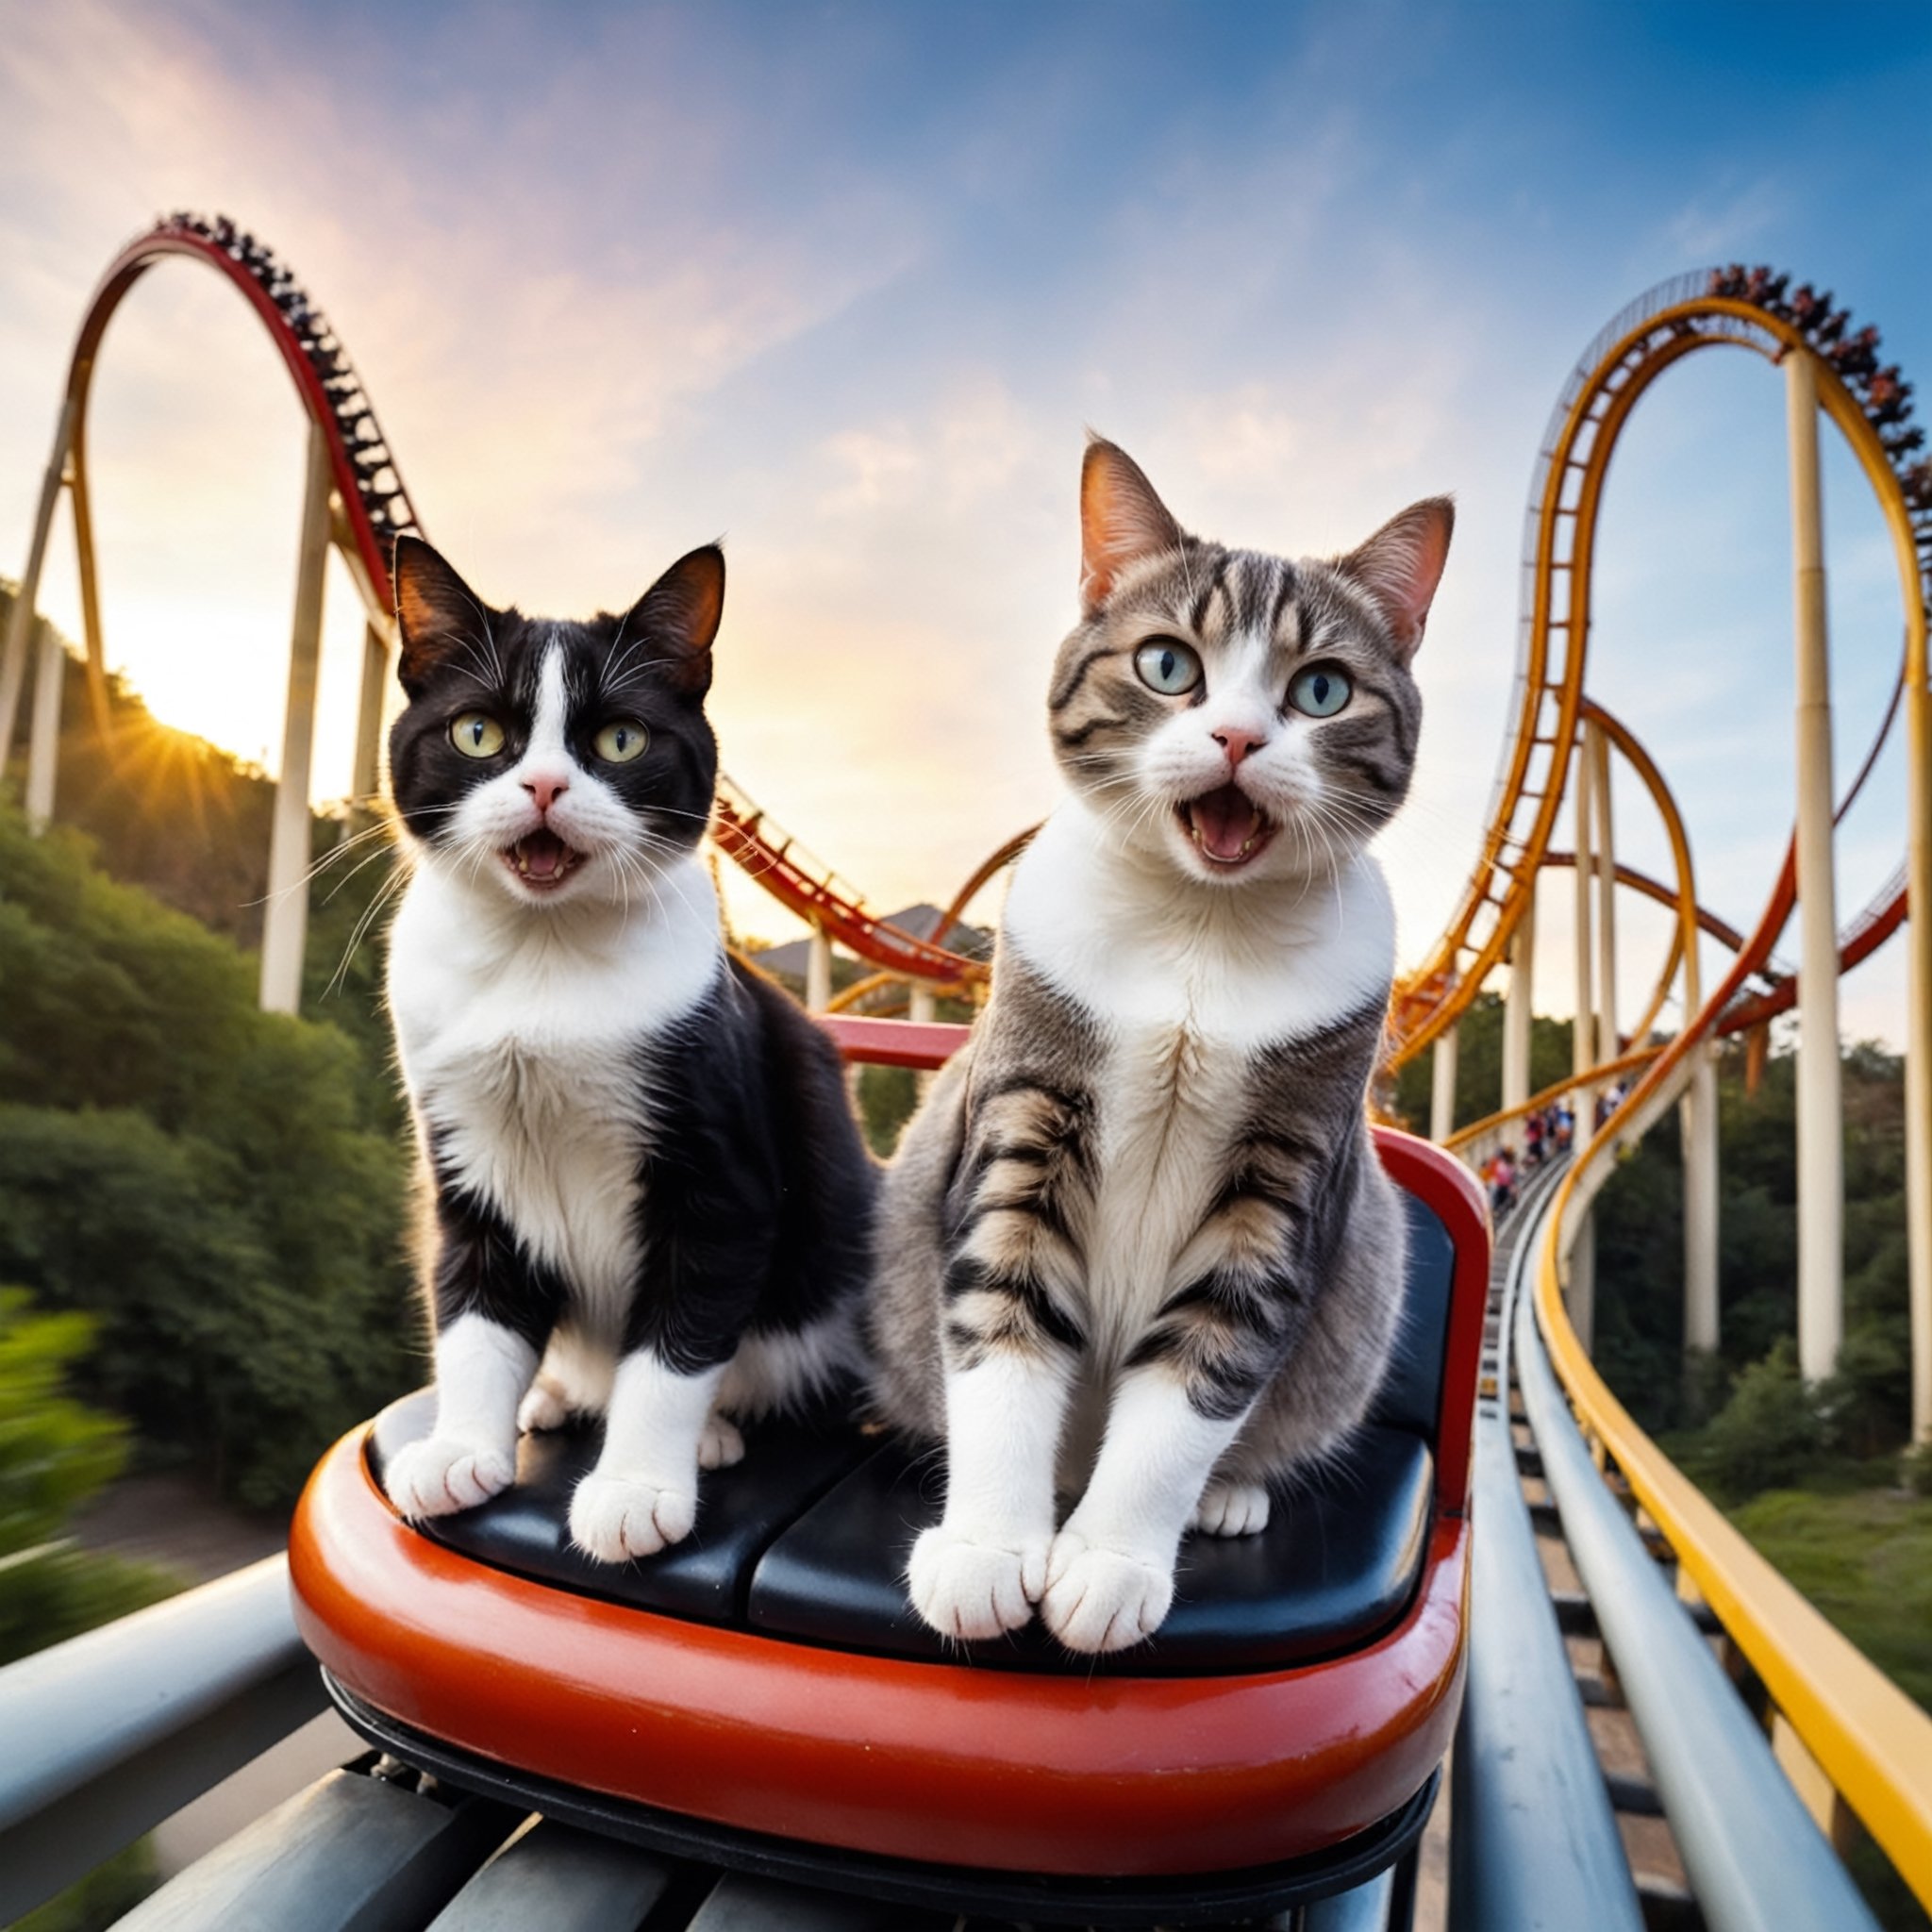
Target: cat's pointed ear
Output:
[(680, 613), (436, 611), (1401, 565), (1122, 520)]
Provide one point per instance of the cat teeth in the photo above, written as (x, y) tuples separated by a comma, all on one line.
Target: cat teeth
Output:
[(1258, 829), (519, 861)]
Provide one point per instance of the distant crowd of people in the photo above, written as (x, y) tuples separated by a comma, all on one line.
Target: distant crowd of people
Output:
[(1548, 1133)]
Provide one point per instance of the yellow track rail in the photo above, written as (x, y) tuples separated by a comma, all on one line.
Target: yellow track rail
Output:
[(1869, 1738)]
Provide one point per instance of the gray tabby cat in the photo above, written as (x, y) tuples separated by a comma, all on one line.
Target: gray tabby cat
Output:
[(1136, 1246)]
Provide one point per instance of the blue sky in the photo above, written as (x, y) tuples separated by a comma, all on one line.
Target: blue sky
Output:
[(847, 282)]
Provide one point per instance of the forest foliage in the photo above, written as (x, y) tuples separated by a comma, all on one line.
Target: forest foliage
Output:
[(223, 1192)]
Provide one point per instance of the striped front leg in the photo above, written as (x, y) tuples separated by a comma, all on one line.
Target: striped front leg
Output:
[(1011, 1340), (1244, 1294)]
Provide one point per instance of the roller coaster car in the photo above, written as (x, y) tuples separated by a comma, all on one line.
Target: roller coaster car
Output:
[(762, 1696)]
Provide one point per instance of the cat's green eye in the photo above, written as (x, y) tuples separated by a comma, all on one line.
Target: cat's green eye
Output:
[(621, 741), (1321, 690), (1168, 666), (476, 734)]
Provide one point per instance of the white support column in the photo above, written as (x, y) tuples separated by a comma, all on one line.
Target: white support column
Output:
[(20, 622), (1579, 1288), (818, 973), (1919, 1052), (920, 1005), (1918, 1012), (1820, 1109), (1697, 1126), (1518, 1005), (1597, 749), (1580, 1294), (1583, 1028), (367, 775), (1697, 1123), (44, 742), (285, 923), (1442, 1087)]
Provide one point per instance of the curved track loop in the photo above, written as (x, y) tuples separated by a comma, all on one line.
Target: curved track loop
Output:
[(374, 504), (375, 509), (1872, 410)]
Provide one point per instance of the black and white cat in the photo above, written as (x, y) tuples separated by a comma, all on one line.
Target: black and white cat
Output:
[(1136, 1247), (646, 1175)]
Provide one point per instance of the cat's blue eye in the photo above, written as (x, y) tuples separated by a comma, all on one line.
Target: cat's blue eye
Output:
[(476, 734), (1168, 666), (1321, 690), (621, 741)]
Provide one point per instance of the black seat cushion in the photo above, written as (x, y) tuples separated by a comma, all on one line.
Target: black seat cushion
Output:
[(788, 1466), (1411, 1395), (1336, 1564), (807, 1538)]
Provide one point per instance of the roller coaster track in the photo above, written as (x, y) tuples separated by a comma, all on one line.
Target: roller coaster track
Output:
[(1872, 1753), (1871, 408), (374, 509)]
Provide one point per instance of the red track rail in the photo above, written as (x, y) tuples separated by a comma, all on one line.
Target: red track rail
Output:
[(375, 502), (745, 835)]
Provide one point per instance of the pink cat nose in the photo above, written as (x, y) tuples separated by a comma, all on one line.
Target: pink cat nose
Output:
[(1238, 744), (546, 790)]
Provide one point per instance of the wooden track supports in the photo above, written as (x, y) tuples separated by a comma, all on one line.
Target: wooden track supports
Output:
[(1821, 1110), (284, 925)]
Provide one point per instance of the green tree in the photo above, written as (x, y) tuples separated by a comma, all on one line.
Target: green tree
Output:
[(1479, 1065), (54, 1455), (218, 1185)]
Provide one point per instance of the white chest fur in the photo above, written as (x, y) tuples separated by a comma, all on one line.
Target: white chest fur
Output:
[(1188, 983), (520, 1033)]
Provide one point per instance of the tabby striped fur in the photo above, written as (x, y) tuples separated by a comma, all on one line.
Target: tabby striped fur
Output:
[(1136, 1249)]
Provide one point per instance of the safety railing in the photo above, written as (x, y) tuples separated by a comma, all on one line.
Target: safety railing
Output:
[(111, 1732), (1853, 1735)]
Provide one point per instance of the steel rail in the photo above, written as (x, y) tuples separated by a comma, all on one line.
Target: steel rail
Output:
[(1873, 1743), (1757, 1861), (1533, 1841), (111, 1732)]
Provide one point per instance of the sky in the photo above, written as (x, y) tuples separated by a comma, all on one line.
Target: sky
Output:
[(846, 284)]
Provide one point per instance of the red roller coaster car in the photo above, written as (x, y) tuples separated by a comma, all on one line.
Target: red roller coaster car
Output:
[(761, 1695)]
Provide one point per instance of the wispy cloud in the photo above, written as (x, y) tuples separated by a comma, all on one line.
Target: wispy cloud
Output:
[(846, 285)]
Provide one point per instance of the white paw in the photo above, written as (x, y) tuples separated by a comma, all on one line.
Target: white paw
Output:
[(721, 1447), (1232, 1509), (441, 1475), (1101, 1599), (545, 1407), (614, 1518), (969, 1588)]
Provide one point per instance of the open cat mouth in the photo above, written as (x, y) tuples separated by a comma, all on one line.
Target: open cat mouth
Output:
[(541, 860), (1227, 827)]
